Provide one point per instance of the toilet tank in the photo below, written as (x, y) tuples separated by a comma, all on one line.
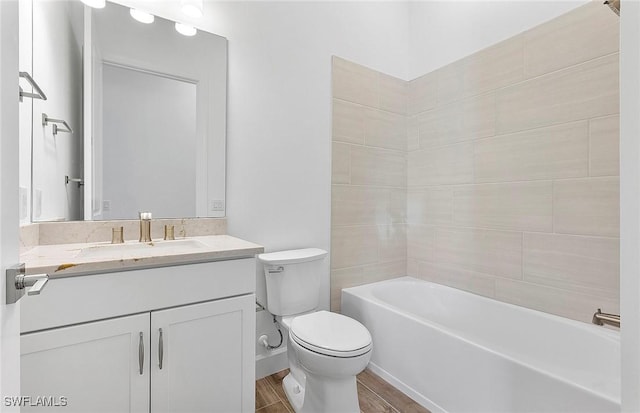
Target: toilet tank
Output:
[(293, 280)]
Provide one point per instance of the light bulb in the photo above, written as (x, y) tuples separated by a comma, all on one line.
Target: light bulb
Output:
[(96, 4), (141, 16), (193, 8), (185, 30)]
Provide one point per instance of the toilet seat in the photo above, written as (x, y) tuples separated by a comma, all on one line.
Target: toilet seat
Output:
[(330, 334)]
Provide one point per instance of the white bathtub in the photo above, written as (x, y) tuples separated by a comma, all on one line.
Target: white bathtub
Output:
[(454, 351)]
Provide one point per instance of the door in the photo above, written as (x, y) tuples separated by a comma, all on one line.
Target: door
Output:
[(200, 364), (9, 314), (95, 367)]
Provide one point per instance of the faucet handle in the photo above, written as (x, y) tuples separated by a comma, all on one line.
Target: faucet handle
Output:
[(145, 215)]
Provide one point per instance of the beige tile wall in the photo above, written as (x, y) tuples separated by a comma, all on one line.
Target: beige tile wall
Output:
[(513, 175), (497, 174), (369, 177)]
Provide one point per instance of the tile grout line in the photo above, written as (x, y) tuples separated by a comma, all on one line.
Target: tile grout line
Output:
[(378, 396)]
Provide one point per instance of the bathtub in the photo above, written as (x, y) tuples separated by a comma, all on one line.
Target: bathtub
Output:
[(454, 351)]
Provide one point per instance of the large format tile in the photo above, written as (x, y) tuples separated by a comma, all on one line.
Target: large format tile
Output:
[(604, 140), (462, 120), (340, 163), (556, 152), (588, 32), (392, 242), (385, 129), (589, 206), (348, 122), (393, 94), (430, 206), (373, 166), (358, 205), (525, 206), (355, 83), (489, 252), (572, 261), (421, 242), (445, 165), (457, 278), (557, 301), (422, 94), (580, 92), (353, 246)]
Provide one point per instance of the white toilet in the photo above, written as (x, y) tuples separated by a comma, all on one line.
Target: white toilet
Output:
[(326, 350)]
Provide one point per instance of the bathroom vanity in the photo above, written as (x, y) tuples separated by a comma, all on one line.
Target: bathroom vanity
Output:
[(139, 331)]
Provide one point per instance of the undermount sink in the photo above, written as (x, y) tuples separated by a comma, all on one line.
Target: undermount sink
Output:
[(141, 249)]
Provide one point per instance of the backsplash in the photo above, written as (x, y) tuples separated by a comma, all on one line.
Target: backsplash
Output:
[(512, 172), (48, 233)]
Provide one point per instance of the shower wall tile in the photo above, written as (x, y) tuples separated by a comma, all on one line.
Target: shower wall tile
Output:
[(567, 303), (421, 93), (393, 94), (457, 278), (341, 163), (369, 176), (579, 92), (490, 252), (584, 34), (604, 150), (587, 206), (373, 166), (430, 206), (495, 174), (365, 205), (348, 122), (560, 151), (385, 129), (524, 206), (444, 165), (460, 121), (573, 262), (355, 83)]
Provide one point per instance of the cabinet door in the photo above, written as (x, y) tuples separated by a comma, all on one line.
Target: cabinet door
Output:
[(95, 366), (208, 361)]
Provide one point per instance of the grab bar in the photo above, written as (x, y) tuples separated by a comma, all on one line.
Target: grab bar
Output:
[(39, 93), (46, 120), (600, 318)]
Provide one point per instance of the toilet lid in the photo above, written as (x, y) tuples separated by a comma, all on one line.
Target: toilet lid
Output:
[(331, 334)]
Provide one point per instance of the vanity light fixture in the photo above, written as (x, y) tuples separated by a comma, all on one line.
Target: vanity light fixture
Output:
[(96, 4), (185, 30), (192, 8), (141, 16)]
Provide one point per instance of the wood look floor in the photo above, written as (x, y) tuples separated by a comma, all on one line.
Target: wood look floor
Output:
[(375, 395)]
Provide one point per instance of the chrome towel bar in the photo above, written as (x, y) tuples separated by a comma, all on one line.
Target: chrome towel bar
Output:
[(47, 120), (39, 93)]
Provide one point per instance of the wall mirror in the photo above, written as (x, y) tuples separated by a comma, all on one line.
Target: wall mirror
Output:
[(147, 107)]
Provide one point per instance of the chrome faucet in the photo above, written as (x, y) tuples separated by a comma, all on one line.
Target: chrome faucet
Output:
[(600, 318), (145, 227)]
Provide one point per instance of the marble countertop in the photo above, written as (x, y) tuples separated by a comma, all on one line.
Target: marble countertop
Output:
[(64, 260)]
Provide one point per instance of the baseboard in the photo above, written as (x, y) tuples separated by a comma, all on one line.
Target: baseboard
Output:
[(273, 362)]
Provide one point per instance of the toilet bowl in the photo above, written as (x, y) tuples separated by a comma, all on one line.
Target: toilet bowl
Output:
[(325, 350)]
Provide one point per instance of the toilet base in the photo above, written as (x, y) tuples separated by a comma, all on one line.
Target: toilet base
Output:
[(294, 392), (322, 394)]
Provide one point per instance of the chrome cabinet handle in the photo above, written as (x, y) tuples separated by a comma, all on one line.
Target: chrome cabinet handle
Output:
[(160, 350), (141, 353), (39, 93)]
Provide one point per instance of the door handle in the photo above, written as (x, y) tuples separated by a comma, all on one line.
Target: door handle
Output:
[(160, 349), (141, 353), (17, 283)]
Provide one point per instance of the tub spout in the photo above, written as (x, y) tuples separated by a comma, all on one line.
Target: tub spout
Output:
[(601, 319)]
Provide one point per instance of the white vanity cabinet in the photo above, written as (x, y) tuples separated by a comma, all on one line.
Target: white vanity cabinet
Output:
[(180, 354)]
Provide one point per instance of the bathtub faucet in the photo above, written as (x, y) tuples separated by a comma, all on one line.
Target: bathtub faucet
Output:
[(601, 319)]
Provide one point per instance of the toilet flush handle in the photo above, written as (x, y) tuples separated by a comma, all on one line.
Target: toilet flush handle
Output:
[(276, 270)]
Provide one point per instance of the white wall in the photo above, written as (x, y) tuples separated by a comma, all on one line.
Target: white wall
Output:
[(442, 32)]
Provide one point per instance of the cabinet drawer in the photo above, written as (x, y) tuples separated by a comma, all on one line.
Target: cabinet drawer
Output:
[(80, 299)]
